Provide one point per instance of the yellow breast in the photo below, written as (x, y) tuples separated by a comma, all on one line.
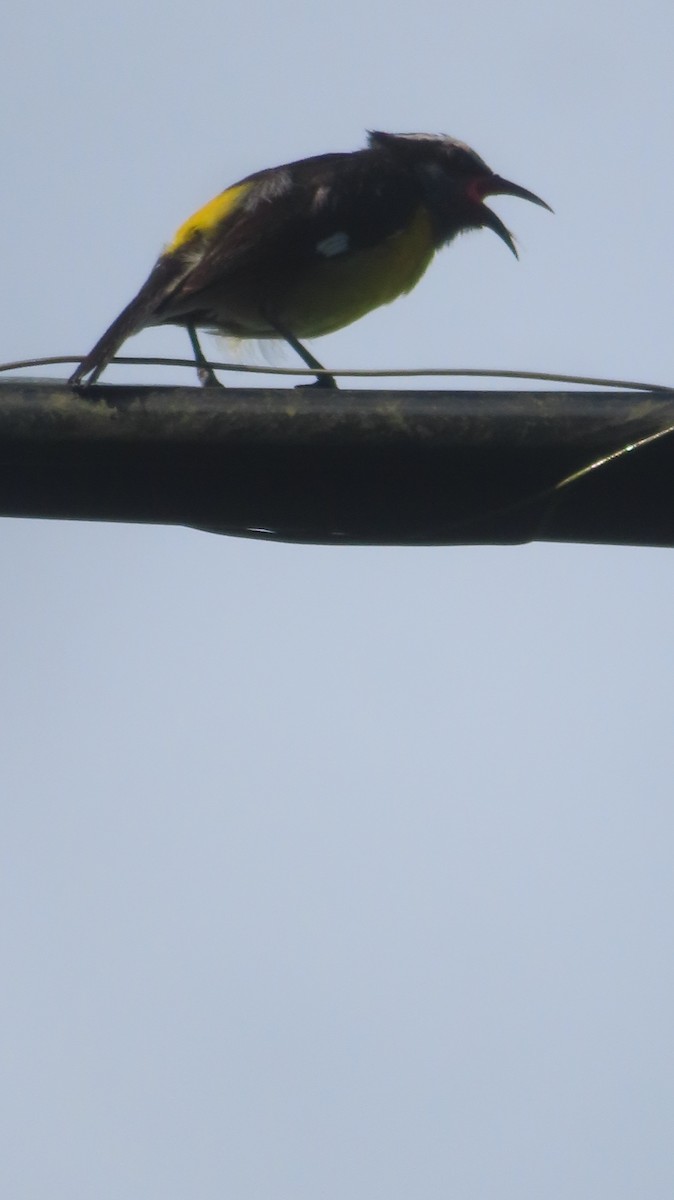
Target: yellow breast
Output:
[(338, 289)]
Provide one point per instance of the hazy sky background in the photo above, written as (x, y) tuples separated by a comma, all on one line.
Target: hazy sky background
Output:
[(329, 872)]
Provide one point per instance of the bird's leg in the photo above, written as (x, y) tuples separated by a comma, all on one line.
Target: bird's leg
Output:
[(323, 380), (207, 377)]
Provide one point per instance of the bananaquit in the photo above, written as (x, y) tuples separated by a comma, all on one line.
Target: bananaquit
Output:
[(303, 249)]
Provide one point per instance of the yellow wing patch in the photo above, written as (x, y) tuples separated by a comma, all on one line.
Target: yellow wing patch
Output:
[(207, 218)]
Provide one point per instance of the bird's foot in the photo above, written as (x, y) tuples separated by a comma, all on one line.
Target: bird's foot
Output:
[(323, 381)]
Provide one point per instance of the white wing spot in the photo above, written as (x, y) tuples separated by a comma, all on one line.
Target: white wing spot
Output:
[(337, 243)]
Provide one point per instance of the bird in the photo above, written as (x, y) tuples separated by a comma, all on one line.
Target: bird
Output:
[(301, 250)]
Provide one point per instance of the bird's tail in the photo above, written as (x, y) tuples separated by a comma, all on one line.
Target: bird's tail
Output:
[(165, 276)]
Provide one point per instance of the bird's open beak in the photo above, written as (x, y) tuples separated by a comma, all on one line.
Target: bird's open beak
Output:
[(496, 186)]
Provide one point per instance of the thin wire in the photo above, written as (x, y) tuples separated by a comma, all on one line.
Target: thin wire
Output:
[(406, 373), (621, 452)]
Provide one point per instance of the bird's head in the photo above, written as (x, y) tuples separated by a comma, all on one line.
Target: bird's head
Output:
[(454, 181)]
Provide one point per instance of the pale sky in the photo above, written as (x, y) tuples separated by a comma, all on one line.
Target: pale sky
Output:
[(338, 872)]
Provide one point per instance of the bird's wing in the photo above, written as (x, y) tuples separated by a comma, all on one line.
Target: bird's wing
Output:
[(280, 221)]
